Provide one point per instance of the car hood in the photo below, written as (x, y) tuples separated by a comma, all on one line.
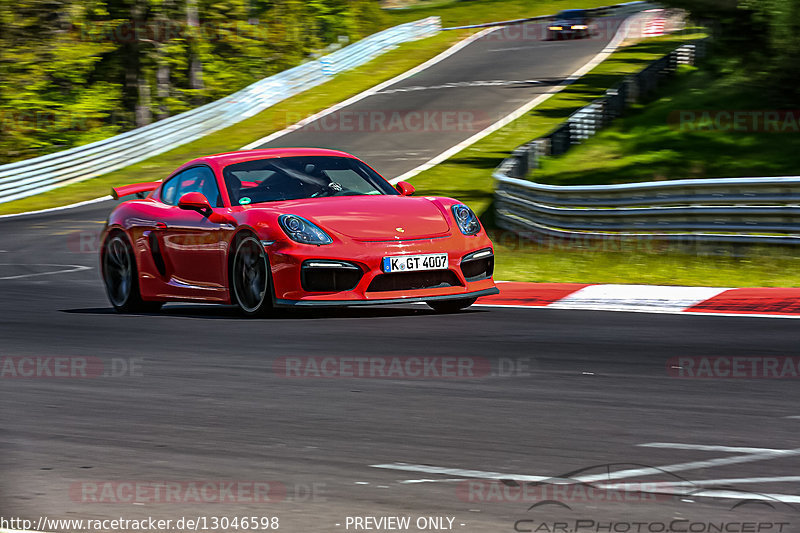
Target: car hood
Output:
[(373, 218)]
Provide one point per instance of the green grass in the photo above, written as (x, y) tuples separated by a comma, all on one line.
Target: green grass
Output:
[(234, 137), (643, 262), (649, 144), (294, 109), (464, 13), (468, 174)]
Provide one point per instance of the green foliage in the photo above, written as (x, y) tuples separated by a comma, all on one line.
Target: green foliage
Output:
[(760, 38), (653, 142), (780, 20), (74, 71), (49, 97), (468, 174)]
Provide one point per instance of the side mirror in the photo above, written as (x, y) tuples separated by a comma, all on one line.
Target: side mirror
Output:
[(195, 201), (404, 188)]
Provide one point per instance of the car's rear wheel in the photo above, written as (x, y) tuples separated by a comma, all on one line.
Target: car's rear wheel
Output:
[(450, 306), (250, 279), (121, 278)]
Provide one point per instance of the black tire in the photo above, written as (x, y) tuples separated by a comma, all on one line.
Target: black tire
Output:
[(450, 306), (121, 278), (251, 287)]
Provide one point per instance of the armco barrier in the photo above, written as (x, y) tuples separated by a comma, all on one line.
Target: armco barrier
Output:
[(40, 174), (723, 210), (588, 120)]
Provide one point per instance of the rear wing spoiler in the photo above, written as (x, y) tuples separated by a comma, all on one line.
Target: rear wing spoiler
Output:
[(136, 188)]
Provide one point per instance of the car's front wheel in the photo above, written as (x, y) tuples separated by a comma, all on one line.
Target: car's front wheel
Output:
[(121, 278), (450, 306), (250, 279)]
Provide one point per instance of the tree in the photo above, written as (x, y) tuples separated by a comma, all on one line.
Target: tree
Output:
[(760, 38), (75, 71)]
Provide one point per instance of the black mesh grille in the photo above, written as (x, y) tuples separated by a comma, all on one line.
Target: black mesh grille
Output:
[(478, 268), (329, 279), (402, 281)]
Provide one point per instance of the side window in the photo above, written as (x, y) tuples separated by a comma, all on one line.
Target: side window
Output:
[(168, 191), (196, 179)]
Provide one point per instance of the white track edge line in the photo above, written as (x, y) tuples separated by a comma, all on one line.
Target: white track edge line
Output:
[(353, 99), (650, 311), (60, 208), (596, 60), (601, 56), (371, 91)]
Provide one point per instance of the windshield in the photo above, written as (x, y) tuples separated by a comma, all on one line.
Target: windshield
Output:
[(571, 14), (293, 178)]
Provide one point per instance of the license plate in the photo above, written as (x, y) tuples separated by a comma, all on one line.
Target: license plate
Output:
[(412, 263)]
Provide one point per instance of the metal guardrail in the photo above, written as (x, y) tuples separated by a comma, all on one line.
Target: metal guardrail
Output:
[(37, 175), (743, 206), (33, 176), (724, 210), (588, 120)]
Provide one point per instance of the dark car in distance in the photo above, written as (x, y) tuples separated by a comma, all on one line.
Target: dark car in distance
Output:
[(570, 23)]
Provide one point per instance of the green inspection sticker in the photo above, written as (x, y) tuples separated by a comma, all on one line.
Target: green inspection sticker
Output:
[(244, 201)]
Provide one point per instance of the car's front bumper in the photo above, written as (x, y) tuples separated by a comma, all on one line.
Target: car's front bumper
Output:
[(287, 260), (384, 301)]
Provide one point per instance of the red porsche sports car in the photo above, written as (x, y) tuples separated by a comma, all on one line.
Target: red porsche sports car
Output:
[(290, 227)]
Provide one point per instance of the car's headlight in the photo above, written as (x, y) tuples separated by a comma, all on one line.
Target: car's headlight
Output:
[(580, 27), (301, 230), (555, 28), (466, 219)]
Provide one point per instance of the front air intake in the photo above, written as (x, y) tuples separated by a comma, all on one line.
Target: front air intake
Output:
[(329, 276), (404, 281), (478, 265)]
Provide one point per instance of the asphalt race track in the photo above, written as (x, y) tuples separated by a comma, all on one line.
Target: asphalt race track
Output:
[(200, 396), (453, 100)]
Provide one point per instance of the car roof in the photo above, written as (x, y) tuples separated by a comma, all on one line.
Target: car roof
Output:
[(219, 161)]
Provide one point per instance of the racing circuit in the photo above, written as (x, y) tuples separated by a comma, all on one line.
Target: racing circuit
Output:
[(204, 395)]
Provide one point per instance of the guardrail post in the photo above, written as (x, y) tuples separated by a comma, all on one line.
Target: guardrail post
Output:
[(615, 102), (561, 139), (701, 48), (631, 85), (522, 161), (539, 149)]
